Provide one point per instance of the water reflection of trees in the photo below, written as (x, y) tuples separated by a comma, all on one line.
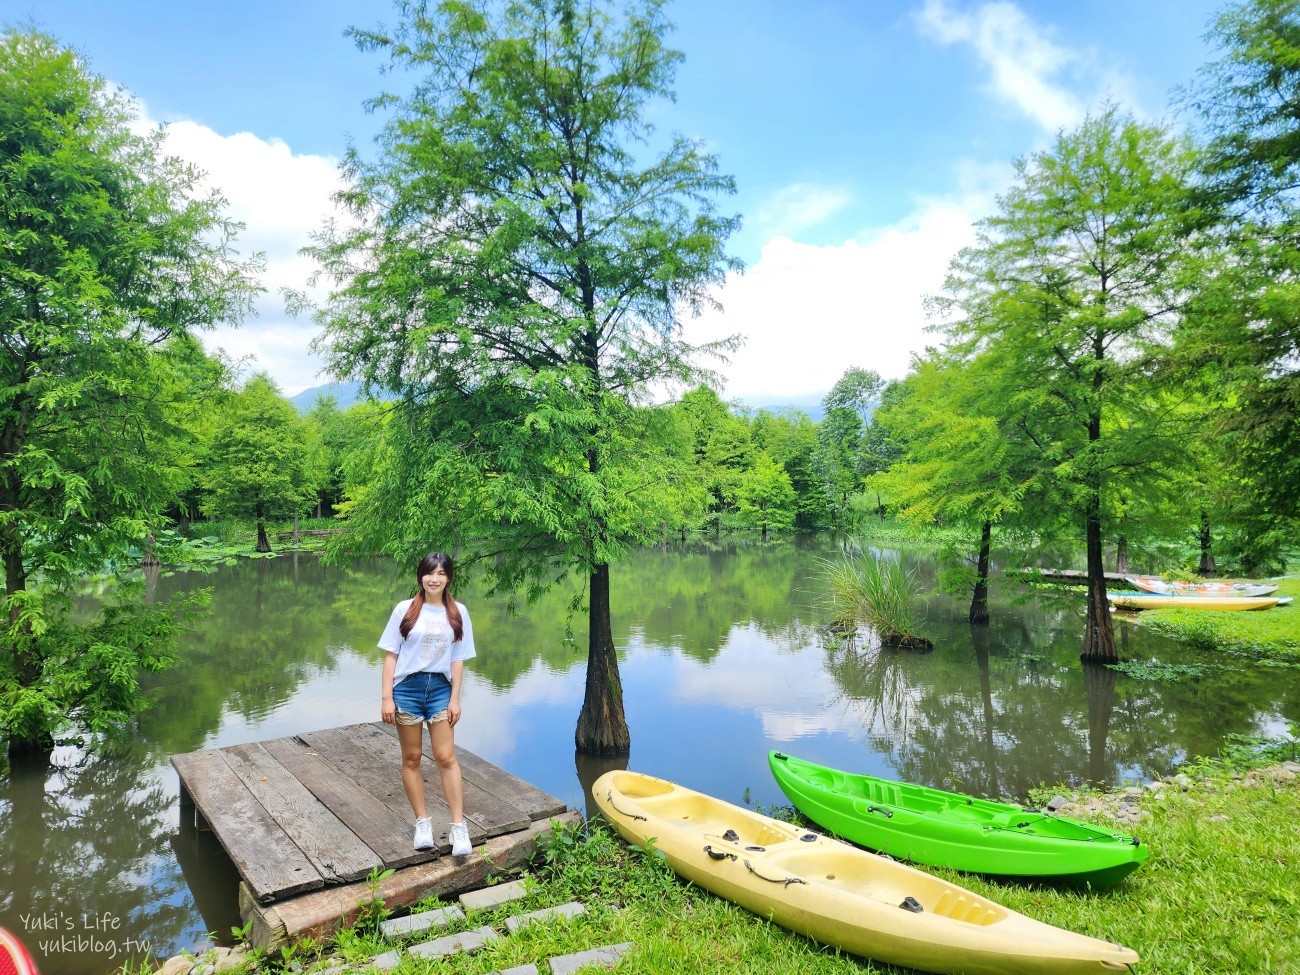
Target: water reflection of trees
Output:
[(988, 702), (998, 710), (91, 839), (273, 625), (688, 597)]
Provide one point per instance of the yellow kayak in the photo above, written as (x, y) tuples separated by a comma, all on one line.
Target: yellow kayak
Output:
[(838, 894), (1125, 600)]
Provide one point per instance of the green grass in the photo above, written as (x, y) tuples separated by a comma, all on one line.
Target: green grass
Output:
[(879, 592), (1270, 635), (1217, 896)]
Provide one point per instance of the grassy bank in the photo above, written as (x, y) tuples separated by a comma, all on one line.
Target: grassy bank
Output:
[(1217, 895), (1270, 637)]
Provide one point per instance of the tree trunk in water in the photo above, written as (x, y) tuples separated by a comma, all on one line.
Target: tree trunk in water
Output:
[(979, 602), (1098, 631), (592, 767), (602, 726), (1121, 554), (1207, 567), (263, 543), (295, 531)]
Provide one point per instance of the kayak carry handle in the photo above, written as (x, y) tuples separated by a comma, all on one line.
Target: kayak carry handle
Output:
[(786, 881), (719, 854), (610, 799), (886, 812)]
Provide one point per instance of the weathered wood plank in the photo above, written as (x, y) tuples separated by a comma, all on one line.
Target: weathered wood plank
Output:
[(324, 808), (524, 796), (485, 814), (320, 913), (339, 788), (528, 799), (381, 779), (336, 852), (268, 860)]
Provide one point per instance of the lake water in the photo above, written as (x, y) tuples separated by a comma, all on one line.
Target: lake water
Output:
[(723, 657)]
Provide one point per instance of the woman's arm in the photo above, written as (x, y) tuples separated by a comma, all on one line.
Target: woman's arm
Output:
[(453, 706), (387, 709)]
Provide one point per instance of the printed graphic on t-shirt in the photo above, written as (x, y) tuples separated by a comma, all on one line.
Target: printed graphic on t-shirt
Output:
[(435, 643)]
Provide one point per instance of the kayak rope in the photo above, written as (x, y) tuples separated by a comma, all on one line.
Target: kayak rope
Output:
[(610, 799), (785, 881)]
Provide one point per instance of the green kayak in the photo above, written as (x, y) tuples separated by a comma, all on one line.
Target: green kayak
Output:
[(944, 829)]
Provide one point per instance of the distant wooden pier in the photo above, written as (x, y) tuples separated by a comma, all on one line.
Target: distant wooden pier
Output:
[(319, 812), (1070, 577)]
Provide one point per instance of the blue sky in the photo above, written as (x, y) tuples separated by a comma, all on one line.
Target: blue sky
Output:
[(865, 136)]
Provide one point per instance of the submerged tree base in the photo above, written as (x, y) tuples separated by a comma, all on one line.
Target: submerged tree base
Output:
[(906, 641)]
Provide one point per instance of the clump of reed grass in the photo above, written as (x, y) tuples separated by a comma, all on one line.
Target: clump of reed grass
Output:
[(877, 592)]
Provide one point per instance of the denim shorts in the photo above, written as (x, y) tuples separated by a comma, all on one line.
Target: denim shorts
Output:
[(421, 697)]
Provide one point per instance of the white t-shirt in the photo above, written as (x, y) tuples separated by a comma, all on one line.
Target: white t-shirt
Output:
[(431, 644)]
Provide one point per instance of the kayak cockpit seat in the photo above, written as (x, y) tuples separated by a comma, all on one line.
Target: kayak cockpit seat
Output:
[(965, 906)]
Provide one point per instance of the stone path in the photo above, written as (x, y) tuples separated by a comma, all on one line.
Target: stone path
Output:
[(428, 922)]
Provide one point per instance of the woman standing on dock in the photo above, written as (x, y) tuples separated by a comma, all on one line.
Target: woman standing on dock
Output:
[(428, 639)]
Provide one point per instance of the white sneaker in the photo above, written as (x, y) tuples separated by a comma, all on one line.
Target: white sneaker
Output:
[(424, 834), (459, 836)]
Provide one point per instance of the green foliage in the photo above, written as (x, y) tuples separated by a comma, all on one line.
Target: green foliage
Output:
[(88, 676), (1156, 670), (842, 456), (1247, 334), (790, 437), (110, 261), (765, 498), (1266, 637), (574, 861), (259, 460), (878, 591), (1243, 752), (373, 911), (720, 451), (517, 358)]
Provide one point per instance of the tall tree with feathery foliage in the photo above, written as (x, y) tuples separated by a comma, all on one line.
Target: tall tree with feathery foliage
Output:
[(524, 249)]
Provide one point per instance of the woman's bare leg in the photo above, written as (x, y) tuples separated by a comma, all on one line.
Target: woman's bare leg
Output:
[(411, 737), (444, 753)]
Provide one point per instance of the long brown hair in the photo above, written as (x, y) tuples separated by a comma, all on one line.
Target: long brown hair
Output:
[(427, 564)]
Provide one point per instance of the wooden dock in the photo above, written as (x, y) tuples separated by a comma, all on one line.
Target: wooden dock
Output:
[(1069, 577), (325, 809)]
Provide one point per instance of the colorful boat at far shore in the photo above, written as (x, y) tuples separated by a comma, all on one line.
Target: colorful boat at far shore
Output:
[(947, 829), (1206, 587)]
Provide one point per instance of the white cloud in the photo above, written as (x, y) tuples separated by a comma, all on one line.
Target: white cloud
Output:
[(797, 207), (281, 198), (1053, 85), (808, 312)]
